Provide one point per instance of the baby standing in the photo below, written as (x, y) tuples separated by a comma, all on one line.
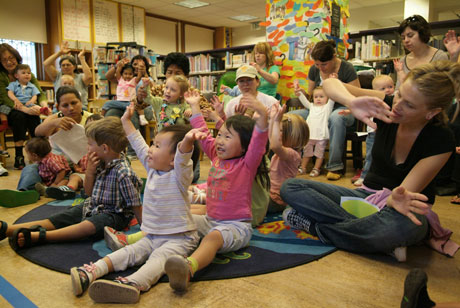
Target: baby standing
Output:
[(317, 121)]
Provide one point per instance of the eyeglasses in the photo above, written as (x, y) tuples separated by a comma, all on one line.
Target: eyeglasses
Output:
[(9, 59), (245, 81)]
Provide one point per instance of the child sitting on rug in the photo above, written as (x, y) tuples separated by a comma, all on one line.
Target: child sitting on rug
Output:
[(167, 220), (54, 170), (113, 187), (288, 134), (235, 154)]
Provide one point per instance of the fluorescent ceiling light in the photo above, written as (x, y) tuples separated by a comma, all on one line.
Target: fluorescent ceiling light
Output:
[(191, 4), (244, 17)]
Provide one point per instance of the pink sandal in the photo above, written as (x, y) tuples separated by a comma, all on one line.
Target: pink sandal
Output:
[(315, 172)]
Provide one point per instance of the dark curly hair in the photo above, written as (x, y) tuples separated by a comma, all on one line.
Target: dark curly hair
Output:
[(179, 59), (419, 24), (39, 146), (146, 62)]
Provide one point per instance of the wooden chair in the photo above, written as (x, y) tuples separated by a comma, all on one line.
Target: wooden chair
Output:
[(95, 106), (293, 104), (357, 136), (152, 126), (3, 144)]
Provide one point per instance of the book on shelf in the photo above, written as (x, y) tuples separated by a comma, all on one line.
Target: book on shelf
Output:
[(100, 55), (111, 56), (206, 83), (103, 88), (373, 49), (102, 69)]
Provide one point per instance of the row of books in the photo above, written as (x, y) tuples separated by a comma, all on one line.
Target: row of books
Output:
[(204, 83), (112, 55), (236, 60), (204, 63), (371, 49)]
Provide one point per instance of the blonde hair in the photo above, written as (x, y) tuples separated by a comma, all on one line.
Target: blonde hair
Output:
[(439, 83), (295, 131), (182, 81), (108, 131), (266, 49), (67, 77), (381, 78)]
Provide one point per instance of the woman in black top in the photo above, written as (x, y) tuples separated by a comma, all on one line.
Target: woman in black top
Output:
[(407, 155)]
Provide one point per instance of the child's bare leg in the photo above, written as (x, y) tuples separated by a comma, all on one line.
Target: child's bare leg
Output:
[(318, 163), (208, 248), (198, 209), (70, 233), (75, 181), (61, 183), (304, 163), (45, 223)]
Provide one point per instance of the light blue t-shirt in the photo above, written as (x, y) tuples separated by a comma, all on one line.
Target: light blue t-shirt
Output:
[(23, 93), (265, 86)]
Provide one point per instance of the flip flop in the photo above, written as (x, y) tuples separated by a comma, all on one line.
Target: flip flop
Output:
[(456, 199), (27, 237), (3, 229)]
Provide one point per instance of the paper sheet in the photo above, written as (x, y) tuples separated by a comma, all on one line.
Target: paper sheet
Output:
[(72, 142)]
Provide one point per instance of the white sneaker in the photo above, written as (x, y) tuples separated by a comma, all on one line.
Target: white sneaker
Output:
[(400, 254), (142, 120), (3, 171), (358, 182)]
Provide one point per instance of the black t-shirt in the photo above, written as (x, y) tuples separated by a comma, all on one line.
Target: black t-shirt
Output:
[(432, 140)]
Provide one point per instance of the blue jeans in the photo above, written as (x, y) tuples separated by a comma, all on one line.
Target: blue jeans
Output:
[(368, 161), (29, 176), (337, 132), (380, 232), (121, 105)]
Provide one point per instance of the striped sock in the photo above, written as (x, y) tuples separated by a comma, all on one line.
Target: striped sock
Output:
[(133, 238)]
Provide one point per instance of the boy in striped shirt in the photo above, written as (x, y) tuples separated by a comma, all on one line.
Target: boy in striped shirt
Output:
[(166, 217)]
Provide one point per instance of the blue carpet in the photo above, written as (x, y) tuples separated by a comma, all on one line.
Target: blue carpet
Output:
[(273, 247)]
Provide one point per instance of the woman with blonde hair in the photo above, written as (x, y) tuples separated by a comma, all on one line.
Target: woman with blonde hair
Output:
[(410, 148)]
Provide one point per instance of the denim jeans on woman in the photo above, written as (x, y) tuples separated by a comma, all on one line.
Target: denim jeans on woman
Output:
[(380, 232)]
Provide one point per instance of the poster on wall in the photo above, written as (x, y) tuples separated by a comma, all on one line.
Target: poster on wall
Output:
[(293, 27), (75, 21), (105, 18), (132, 24)]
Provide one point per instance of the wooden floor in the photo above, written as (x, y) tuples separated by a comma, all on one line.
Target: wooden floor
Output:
[(341, 279)]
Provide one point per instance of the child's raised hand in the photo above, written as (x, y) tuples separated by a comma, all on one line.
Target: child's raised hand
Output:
[(128, 113), (223, 88), (279, 111), (188, 113), (192, 97), (217, 104), (196, 134), (210, 114), (93, 162)]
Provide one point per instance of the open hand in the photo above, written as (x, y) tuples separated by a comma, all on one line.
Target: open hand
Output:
[(65, 48), (398, 64), (196, 134), (81, 54), (407, 203), (366, 107), (192, 97), (128, 113), (452, 43)]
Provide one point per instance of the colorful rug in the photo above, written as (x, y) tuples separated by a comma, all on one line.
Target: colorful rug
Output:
[(273, 247)]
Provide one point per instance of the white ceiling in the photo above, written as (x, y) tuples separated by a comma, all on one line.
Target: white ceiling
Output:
[(218, 12)]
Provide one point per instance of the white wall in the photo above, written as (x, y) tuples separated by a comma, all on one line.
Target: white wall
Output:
[(246, 36), (160, 35), (23, 20), (379, 16), (198, 38)]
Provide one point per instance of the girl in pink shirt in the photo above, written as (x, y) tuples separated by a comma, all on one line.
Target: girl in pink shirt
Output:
[(288, 134), (235, 157)]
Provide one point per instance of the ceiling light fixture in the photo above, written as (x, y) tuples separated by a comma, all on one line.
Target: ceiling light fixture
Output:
[(191, 4), (243, 17)]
